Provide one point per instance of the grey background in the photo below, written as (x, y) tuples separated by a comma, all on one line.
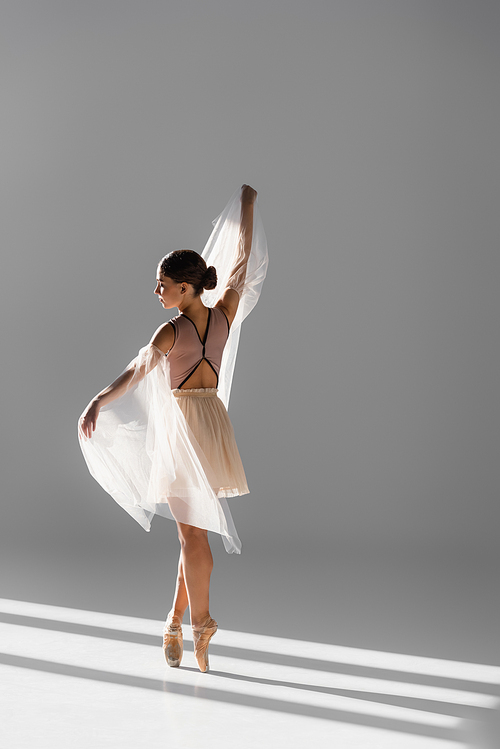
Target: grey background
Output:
[(365, 396)]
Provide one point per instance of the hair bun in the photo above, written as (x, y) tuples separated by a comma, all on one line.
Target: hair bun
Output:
[(210, 278)]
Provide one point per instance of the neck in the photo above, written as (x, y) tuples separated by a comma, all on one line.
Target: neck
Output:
[(192, 307)]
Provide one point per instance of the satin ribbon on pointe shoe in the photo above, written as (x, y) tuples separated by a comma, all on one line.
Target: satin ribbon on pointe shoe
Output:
[(201, 639), (173, 643)]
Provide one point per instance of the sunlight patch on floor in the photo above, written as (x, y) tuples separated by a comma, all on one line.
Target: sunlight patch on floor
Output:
[(102, 678)]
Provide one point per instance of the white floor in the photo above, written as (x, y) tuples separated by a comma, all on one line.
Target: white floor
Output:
[(87, 679)]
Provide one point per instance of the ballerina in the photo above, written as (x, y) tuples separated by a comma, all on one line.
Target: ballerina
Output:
[(159, 438)]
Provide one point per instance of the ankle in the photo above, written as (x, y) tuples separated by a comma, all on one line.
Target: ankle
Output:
[(201, 621), (175, 615)]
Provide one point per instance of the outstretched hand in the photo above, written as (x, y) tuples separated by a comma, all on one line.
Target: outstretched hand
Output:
[(248, 194), (88, 419)]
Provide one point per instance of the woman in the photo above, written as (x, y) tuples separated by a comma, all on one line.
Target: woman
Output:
[(164, 443)]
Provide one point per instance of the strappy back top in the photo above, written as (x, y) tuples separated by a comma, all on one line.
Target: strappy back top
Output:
[(189, 350)]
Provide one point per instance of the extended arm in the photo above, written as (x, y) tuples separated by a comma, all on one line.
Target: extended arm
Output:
[(162, 340), (118, 387), (230, 299)]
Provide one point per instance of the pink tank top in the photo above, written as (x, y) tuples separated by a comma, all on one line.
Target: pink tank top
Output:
[(189, 350)]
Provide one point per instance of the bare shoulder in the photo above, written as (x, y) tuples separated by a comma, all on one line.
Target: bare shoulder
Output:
[(164, 337), (228, 303)]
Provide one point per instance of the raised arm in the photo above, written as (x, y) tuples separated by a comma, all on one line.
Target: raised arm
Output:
[(230, 298)]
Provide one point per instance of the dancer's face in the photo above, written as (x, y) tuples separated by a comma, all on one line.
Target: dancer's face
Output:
[(170, 293)]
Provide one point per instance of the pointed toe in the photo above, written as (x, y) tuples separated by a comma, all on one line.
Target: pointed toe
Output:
[(201, 640), (173, 646)]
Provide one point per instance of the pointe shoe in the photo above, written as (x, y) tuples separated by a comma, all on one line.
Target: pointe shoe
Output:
[(172, 642), (201, 639)]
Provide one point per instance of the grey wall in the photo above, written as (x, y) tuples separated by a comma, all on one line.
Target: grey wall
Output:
[(365, 398)]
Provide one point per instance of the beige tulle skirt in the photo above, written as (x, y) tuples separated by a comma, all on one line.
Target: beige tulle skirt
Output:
[(211, 427)]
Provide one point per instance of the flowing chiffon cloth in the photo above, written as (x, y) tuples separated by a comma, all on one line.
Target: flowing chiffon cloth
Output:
[(145, 451)]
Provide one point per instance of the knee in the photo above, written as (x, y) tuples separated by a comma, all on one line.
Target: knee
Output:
[(190, 535)]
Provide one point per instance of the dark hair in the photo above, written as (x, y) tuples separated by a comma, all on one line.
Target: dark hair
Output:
[(189, 267)]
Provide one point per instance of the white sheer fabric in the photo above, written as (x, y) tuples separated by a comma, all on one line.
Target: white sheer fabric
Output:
[(224, 251), (143, 452)]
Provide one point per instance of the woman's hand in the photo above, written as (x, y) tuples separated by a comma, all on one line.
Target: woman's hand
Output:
[(248, 195), (88, 419)]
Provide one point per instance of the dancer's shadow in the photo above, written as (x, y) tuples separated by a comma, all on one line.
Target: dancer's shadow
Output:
[(478, 724), (441, 707)]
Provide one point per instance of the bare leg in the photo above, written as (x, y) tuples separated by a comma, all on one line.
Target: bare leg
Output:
[(173, 646), (181, 601), (197, 564)]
